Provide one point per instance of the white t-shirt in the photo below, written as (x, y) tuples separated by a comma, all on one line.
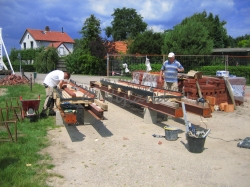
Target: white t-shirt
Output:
[(53, 78)]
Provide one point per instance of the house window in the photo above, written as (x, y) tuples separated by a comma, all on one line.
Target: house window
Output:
[(31, 44), (28, 36), (61, 50), (24, 45)]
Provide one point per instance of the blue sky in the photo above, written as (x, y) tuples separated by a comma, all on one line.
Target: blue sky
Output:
[(18, 15)]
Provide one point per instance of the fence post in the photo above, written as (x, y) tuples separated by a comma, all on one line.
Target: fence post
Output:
[(30, 82), (107, 65), (226, 63)]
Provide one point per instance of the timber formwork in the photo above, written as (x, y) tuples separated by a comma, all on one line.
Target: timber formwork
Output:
[(160, 100), (78, 99)]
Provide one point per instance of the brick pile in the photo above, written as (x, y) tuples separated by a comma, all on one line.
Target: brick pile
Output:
[(13, 80), (213, 89), (210, 86)]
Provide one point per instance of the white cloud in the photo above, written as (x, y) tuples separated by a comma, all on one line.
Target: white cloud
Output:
[(153, 10), (56, 19), (156, 28)]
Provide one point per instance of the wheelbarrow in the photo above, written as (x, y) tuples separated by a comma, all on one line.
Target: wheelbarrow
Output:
[(30, 108)]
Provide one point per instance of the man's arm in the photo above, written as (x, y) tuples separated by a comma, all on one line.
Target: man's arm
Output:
[(60, 84), (180, 69), (160, 76)]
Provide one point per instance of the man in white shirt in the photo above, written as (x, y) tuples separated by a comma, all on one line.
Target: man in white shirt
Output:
[(52, 80)]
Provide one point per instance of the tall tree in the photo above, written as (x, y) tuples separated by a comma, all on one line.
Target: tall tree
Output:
[(217, 33), (215, 27), (147, 42), (46, 60), (91, 28), (89, 51), (126, 24), (189, 38)]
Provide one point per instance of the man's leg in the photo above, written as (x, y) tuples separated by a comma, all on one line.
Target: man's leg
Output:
[(172, 86), (169, 85), (47, 103)]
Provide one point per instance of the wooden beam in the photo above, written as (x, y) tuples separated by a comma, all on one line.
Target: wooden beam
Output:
[(103, 105)]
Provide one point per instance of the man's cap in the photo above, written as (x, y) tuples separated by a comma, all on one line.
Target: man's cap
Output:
[(171, 55)]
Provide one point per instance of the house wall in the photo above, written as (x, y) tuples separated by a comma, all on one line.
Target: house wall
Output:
[(62, 50), (28, 39), (36, 44), (69, 46)]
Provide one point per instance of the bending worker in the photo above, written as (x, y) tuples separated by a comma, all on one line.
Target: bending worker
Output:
[(51, 81), (170, 68)]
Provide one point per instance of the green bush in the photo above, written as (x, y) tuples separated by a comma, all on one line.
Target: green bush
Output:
[(26, 67), (136, 67), (239, 71)]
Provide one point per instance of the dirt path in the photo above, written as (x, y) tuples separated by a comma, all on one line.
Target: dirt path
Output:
[(120, 151)]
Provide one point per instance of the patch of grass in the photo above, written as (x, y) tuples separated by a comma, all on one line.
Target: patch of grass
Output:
[(32, 138), (50, 166)]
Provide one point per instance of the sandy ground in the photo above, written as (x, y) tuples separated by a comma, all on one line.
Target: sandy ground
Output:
[(121, 151)]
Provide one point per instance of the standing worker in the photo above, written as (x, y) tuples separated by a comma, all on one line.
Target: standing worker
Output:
[(170, 68), (51, 81)]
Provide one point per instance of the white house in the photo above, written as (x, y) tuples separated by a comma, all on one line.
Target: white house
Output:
[(33, 38)]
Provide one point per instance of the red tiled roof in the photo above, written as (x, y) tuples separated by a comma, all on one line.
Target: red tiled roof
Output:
[(53, 36), (55, 44), (121, 47)]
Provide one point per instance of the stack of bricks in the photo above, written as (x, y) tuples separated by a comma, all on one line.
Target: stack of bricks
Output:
[(212, 88), (220, 91), (190, 88)]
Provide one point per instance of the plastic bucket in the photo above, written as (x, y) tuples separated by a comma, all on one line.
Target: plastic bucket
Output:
[(195, 145), (171, 133)]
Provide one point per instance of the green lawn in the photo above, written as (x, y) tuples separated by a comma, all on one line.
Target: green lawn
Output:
[(20, 162)]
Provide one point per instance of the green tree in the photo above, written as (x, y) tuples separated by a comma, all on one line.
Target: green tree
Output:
[(46, 60), (147, 42), (231, 42), (215, 28), (89, 51), (218, 34), (126, 24), (190, 38), (243, 41)]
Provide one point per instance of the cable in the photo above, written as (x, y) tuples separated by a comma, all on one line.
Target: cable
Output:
[(203, 122), (238, 139)]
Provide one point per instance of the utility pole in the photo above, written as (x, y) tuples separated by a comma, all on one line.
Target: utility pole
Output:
[(19, 57), (1, 53)]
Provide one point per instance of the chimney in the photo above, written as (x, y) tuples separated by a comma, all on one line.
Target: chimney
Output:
[(47, 28), (62, 30)]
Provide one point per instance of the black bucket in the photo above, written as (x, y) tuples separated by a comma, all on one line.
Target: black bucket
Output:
[(171, 133), (195, 145)]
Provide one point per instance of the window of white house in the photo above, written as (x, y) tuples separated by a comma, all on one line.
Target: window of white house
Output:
[(28, 36), (31, 44), (24, 45), (61, 51)]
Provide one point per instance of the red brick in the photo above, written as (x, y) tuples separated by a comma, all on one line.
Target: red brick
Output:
[(222, 106), (229, 108), (211, 100)]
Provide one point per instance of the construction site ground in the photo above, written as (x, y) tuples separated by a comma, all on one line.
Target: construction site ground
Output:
[(121, 151)]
